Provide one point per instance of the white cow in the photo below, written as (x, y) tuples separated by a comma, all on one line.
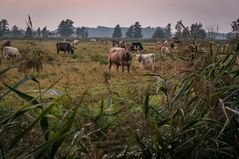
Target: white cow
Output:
[(165, 50), (10, 52), (93, 40), (146, 59), (76, 42)]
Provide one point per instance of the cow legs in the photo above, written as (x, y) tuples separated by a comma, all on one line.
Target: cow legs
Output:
[(128, 68), (110, 65), (117, 68)]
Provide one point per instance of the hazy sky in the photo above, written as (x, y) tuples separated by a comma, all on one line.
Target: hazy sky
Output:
[(124, 12)]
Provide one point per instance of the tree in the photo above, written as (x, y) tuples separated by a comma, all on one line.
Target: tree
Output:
[(28, 33), (45, 32), (197, 32), (129, 32), (158, 34), (137, 32), (81, 32), (117, 33), (39, 32), (3, 27), (16, 31), (168, 30), (178, 33), (185, 34), (235, 25), (65, 28), (29, 29)]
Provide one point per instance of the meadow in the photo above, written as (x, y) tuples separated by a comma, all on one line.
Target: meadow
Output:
[(75, 108)]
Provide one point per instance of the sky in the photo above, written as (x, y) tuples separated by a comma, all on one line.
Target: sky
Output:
[(92, 13)]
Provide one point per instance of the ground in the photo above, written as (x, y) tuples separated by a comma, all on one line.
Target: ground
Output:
[(87, 70)]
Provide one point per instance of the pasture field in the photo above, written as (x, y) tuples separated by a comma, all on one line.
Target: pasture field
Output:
[(87, 70), (182, 109)]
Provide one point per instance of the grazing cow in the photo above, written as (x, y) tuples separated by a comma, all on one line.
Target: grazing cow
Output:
[(10, 52), (120, 57), (76, 42), (60, 46), (93, 40), (146, 59), (136, 46), (106, 42), (165, 51), (166, 42), (6, 43)]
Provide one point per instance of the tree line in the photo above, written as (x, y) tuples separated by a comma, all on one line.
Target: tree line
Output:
[(66, 29)]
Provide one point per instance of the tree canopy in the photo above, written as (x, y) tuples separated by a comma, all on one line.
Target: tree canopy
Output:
[(117, 33), (65, 28), (134, 31), (158, 34)]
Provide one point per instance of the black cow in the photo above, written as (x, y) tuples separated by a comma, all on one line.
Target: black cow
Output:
[(136, 46), (64, 46)]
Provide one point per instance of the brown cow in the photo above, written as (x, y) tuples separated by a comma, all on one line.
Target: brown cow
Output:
[(64, 46), (120, 57)]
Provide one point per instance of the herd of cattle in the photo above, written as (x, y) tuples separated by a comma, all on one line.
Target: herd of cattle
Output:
[(119, 54)]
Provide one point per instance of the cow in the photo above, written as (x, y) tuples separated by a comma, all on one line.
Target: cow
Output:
[(120, 57), (11, 52), (76, 42), (64, 46), (93, 40), (146, 59), (6, 43), (165, 50), (136, 46)]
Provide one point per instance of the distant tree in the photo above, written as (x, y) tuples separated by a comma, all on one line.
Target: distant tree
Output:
[(28, 33), (16, 31), (168, 30), (137, 31), (117, 33), (178, 33), (129, 32), (185, 34), (45, 32), (65, 28), (3, 27), (235, 25), (29, 30), (158, 34), (78, 32), (81, 32), (235, 28), (39, 32), (197, 32)]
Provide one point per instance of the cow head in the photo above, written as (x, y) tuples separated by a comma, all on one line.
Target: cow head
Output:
[(139, 57), (128, 55)]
